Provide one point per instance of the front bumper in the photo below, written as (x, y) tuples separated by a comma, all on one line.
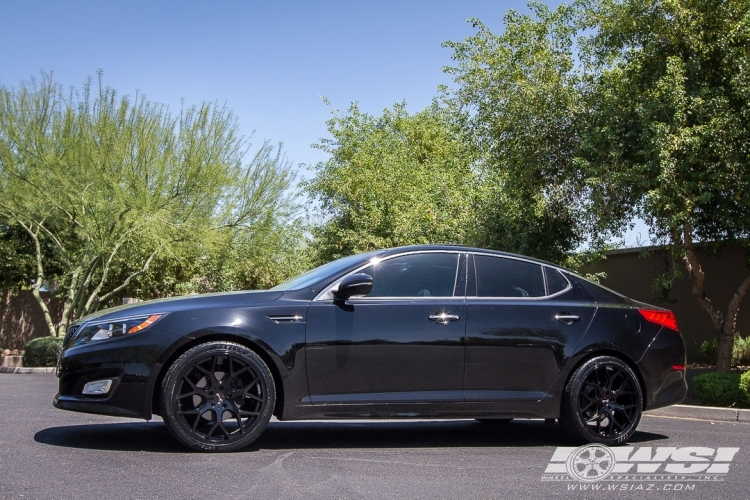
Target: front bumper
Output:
[(131, 362)]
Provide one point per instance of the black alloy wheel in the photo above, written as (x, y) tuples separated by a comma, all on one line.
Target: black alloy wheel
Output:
[(603, 402), (217, 396)]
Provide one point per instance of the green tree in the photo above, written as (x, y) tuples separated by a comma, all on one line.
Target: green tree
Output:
[(113, 183), (18, 258), (394, 179), (517, 95), (668, 129)]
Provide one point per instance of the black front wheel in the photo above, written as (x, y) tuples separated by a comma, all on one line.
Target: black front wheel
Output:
[(603, 402), (217, 396)]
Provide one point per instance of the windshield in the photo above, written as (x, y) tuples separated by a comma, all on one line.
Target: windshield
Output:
[(319, 273)]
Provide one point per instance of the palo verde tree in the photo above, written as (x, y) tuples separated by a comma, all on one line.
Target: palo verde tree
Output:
[(668, 129), (112, 183)]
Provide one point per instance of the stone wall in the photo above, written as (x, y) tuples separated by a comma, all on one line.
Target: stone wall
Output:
[(21, 318)]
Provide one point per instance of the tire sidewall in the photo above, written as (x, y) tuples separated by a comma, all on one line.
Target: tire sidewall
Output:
[(175, 373), (570, 413)]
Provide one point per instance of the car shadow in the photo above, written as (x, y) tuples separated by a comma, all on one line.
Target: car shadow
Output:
[(153, 436)]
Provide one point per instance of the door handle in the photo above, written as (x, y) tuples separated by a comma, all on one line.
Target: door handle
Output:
[(567, 319), (443, 318)]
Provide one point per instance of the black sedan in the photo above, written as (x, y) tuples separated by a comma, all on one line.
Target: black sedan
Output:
[(411, 332)]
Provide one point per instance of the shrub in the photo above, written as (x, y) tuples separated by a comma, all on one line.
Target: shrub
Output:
[(720, 389), (745, 384), (740, 350), (708, 350), (42, 351)]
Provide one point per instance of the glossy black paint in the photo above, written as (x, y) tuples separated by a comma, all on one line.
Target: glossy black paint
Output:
[(425, 356)]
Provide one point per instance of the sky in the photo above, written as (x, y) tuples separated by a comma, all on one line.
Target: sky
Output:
[(270, 62)]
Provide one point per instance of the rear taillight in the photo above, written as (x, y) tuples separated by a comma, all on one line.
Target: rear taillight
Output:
[(660, 317)]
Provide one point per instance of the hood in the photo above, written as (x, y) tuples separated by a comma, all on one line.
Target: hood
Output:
[(186, 302)]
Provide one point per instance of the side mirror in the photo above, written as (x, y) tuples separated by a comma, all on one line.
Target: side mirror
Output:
[(355, 284)]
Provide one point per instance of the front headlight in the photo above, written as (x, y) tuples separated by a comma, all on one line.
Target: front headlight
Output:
[(102, 330)]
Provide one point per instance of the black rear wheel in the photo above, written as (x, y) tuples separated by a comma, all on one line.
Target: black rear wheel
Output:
[(218, 396), (603, 402)]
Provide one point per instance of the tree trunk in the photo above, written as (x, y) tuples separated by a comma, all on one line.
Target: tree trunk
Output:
[(725, 342), (724, 323), (40, 279)]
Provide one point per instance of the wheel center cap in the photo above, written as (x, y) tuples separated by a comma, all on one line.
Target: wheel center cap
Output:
[(219, 397)]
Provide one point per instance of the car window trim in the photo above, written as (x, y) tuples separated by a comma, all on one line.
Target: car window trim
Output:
[(321, 297), (544, 277)]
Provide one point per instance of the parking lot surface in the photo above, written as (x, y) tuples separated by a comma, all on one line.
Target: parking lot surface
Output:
[(49, 453)]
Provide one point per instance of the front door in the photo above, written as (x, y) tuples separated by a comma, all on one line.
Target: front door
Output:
[(402, 342)]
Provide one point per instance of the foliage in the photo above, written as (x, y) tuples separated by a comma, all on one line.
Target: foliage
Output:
[(745, 384), (18, 258), (720, 389), (707, 349), (517, 96), (740, 350), (395, 179), (595, 113), (668, 128), (114, 184), (42, 351)]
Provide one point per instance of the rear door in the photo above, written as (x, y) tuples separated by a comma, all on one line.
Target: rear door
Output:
[(520, 330)]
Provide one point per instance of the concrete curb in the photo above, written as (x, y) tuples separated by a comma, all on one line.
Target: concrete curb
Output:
[(702, 413), (24, 370)]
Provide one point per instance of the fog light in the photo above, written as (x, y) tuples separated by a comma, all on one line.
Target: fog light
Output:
[(97, 387)]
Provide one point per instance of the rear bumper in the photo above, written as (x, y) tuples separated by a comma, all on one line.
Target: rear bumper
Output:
[(664, 384)]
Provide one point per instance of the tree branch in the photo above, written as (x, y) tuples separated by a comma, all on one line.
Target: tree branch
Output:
[(697, 278), (130, 278)]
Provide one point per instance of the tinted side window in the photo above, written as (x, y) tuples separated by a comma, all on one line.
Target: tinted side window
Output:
[(415, 275), (555, 281), (501, 277)]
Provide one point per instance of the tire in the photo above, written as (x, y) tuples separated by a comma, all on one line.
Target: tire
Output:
[(494, 421), (602, 403), (217, 397)]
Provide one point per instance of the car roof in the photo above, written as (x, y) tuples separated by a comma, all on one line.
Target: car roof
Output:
[(462, 248)]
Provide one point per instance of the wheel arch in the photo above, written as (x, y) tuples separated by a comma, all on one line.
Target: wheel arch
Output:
[(612, 353), (214, 337)]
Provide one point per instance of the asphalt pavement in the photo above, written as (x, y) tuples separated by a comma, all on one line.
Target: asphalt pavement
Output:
[(50, 453)]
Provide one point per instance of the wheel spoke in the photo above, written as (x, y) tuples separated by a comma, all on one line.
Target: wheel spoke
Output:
[(194, 392), (195, 423), (224, 429), (219, 396), (250, 385), (239, 372), (585, 408), (210, 431), (213, 366), (194, 411)]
